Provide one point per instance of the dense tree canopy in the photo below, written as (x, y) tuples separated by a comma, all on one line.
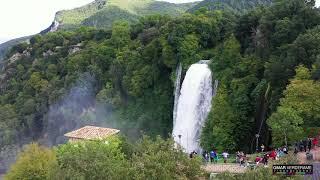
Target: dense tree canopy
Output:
[(124, 77), (298, 108), (256, 67), (34, 162), (109, 158)]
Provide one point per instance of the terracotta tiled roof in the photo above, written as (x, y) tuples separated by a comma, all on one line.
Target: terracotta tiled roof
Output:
[(92, 132)]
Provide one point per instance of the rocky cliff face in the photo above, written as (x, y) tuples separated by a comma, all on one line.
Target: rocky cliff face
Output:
[(53, 27)]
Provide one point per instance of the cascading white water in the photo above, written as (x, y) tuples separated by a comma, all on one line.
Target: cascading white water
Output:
[(177, 92), (193, 107)]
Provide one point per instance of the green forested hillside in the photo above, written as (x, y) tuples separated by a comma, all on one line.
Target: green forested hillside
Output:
[(269, 49), (5, 47), (102, 13), (132, 70), (265, 61), (236, 6), (105, 17)]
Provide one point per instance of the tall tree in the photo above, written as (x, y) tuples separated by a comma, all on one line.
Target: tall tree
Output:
[(299, 108), (34, 162), (219, 128)]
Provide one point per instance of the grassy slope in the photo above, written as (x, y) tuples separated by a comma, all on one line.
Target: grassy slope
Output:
[(102, 14), (130, 5), (74, 17), (157, 7), (105, 17)]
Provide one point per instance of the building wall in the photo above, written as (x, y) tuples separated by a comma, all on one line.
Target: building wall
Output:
[(72, 140)]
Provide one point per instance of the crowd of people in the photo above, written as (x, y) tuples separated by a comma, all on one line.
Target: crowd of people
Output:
[(306, 145), (265, 153), (274, 154), (212, 156), (241, 157)]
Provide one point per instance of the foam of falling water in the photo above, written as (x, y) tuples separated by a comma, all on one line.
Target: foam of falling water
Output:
[(193, 107), (177, 92)]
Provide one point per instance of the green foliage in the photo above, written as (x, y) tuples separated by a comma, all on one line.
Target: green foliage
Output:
[(36, 82), (158, 159), (188, 48), (239, 75), (5, 47), (236, 6), (92, 160), (34, 162), (75, 16), (302, 95), (219, 127), (120, 34), (102, 13), (266, 49), (254, 56), (285, 124), (299, 107), (107, 16), (9, 124), (111, 158)]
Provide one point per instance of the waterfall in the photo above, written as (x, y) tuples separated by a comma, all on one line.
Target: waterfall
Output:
[(177, 91), (193, 107)]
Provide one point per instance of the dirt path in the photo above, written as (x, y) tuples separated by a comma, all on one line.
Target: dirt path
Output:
[(219, 168), (303, 159), (316, 163), (316, 173)]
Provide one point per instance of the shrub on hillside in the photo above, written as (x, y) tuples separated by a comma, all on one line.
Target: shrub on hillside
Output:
[(34, 162), (159, 159)]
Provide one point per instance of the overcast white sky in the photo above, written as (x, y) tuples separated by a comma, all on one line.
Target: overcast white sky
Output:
[(25, 17)]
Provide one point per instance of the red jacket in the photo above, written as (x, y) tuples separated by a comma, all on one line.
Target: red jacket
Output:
[(273, 154)]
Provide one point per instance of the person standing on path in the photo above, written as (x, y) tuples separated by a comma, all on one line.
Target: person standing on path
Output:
[(265, 159), (206, 156), (315, 143), (225, 155), (304, 142), (216, 158), (309, 144), (212, 156), (262, 148)]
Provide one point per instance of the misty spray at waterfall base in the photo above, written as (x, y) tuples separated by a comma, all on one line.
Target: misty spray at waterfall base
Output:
[(74, 110), (193, 106)]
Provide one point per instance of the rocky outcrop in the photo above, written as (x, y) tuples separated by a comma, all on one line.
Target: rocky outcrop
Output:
[(8, 68), (75, 48), (47, 53), (52, 28), (15, 57)]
